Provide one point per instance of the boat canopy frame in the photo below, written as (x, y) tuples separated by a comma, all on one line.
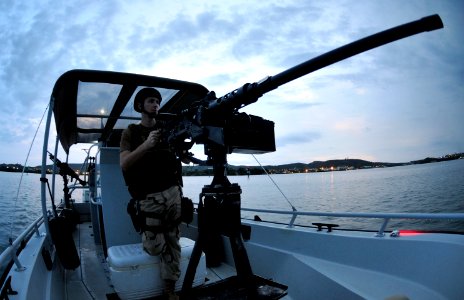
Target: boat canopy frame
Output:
[(70, 89)]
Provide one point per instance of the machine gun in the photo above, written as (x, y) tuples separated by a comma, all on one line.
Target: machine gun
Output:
[(218, 124), (65, 171)]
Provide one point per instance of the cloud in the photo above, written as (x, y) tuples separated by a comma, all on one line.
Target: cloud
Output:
[(298, 138), (351, 125), (415, 83)]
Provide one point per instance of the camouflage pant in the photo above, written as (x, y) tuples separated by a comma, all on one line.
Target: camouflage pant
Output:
[(162, 211)]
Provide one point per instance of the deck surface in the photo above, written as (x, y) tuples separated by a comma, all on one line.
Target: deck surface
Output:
[(91, 280)]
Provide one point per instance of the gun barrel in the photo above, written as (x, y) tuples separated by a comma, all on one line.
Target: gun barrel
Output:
[(249, 93), (429, 23)]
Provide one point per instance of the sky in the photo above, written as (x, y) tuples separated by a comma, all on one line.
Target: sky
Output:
[(396, 103)]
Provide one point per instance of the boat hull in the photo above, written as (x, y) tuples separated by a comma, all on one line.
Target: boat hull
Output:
[(354, 264)]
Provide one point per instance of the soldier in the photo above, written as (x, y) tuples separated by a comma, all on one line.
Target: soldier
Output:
[(153, 175)]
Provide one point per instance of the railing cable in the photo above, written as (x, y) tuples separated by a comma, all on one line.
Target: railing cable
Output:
[(277, 186)]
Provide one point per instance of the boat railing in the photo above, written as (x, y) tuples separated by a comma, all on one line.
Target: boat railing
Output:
[(10, 253), (385, 216), (96, 201)]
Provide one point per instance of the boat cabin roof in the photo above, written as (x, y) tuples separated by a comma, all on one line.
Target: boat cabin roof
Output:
[(91, 106)]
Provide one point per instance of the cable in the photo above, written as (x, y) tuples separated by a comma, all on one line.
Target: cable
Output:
[(277, 186), (22, 173)]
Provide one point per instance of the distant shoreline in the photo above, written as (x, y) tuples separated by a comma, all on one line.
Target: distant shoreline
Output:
[(316, 166)]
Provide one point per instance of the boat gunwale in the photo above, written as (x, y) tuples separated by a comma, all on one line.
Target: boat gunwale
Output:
[(385, 216), (10, 253)]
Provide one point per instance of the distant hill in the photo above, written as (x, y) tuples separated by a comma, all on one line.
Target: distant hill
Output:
[(334, 164), (354, 163), (315, 166)]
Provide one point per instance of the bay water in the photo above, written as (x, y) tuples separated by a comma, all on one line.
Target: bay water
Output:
[(427, 188)]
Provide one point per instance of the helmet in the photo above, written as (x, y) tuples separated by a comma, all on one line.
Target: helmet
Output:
[(144, 94)]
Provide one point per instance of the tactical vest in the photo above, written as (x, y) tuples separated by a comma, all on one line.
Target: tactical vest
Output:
[(156, 171)]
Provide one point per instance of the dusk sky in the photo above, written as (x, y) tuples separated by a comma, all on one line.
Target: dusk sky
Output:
[(396, 103)]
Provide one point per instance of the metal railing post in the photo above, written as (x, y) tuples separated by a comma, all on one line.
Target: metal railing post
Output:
[(381, 231), (292, 221), (19, 267)]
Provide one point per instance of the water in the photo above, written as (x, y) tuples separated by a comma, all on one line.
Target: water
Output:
[(428, 188), (20, 209)]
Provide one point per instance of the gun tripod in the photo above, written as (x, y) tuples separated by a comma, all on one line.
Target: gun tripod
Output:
[(219, 213)]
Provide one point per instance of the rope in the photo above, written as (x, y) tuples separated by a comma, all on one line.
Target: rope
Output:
[(277, 186), (22, 173)]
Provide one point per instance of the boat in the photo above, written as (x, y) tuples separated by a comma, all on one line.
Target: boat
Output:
[(90, 249)]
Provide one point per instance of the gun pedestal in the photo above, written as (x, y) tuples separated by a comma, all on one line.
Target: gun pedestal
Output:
[(219, 213)]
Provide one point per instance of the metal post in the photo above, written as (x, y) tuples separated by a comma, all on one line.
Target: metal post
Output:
[(381, 233)]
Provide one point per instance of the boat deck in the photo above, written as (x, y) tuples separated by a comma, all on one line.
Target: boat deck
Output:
[(91, 280)]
